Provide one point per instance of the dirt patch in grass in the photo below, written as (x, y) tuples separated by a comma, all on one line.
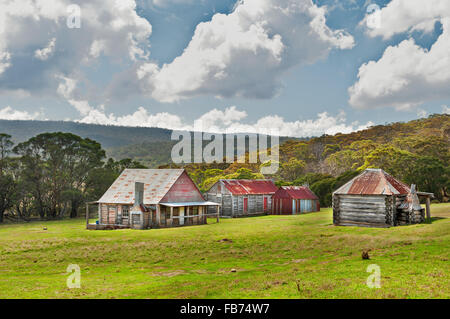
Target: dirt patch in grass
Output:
[(169, 273)]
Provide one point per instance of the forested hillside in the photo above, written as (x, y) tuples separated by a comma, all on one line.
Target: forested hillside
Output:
[(416, 152), (107, 135), (51, 175), (151, 146)]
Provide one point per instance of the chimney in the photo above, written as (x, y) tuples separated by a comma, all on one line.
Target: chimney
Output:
[(138, 194)]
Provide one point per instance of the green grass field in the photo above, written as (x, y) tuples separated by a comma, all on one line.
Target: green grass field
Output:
[(274, 257)]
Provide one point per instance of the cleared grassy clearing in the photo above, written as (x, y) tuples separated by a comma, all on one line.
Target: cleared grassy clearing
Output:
[(274, 256)]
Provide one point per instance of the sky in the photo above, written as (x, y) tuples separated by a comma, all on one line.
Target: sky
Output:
[(295, 67)]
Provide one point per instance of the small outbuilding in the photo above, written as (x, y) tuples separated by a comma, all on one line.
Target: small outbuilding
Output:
[(242, 197), (152, 198), (376, 199), (291, 200)]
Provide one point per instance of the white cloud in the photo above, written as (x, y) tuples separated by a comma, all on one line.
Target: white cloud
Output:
[(4, 61), (8, 113), (407, 75), (45, 53), (445, 109), (231, 121), (401, 16), (421, 113), (32, 30), (245, 52)]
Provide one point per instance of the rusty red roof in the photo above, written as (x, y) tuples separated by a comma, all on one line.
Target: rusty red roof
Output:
[(300, 192), (374, 182), (249, 186)]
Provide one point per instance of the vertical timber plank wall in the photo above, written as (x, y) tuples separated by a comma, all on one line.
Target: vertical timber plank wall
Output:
[(183, 190)]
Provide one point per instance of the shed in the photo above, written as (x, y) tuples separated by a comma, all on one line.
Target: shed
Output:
[(242, 197), (376, 199), (152, 198), (291, 200)]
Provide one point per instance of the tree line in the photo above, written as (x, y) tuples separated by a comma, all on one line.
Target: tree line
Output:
[(53, 174), (417, 152)]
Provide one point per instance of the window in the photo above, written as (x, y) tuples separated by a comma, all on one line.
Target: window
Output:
[(125, 211)]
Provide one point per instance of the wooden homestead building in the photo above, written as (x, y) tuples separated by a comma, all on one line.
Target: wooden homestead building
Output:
[(152, 198), (291, 200), (376, 199), (239, 197)]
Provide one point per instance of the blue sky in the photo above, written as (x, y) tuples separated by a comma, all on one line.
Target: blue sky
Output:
[(68, 84)]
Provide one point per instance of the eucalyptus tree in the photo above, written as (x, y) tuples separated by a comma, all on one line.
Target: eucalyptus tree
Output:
[(56, 167), (7, 183)]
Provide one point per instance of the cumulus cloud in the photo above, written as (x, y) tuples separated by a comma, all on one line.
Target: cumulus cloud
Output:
[(4, 61), (8, 113), (36, 44), (245, 52), (45, 53), (407, 75), (445, 109), (230, 120)]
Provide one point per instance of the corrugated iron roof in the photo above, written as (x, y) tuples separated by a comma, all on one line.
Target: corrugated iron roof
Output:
[(250, 186), (157, 183), (300, 192), (374, 182)]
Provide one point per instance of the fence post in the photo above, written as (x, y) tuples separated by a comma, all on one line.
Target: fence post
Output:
[(87, 214), (428, 209), (217, 211)]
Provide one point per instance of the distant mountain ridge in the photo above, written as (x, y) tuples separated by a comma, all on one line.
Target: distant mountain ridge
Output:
[(107, 135), (150, 145), (153, 146)]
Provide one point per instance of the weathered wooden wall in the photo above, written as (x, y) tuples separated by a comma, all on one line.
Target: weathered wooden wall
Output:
[(363, 210), (405, 216), (183, 190), (233, 205), (373, 211)]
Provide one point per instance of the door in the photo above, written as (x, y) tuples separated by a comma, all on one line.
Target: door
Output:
[(112, 213), (245, 205), (181, 212), (265, 203)]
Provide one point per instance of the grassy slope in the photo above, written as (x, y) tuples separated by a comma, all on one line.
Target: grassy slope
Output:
[(271, 255)]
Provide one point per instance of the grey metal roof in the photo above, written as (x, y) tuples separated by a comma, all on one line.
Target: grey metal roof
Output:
[(157, 183)]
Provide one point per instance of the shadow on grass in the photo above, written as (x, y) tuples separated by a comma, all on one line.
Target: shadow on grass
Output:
[(433, 219)]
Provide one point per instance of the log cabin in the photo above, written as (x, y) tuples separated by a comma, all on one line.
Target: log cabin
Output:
[(291, 200), (376, 199), (241, 197), (152, 198)]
